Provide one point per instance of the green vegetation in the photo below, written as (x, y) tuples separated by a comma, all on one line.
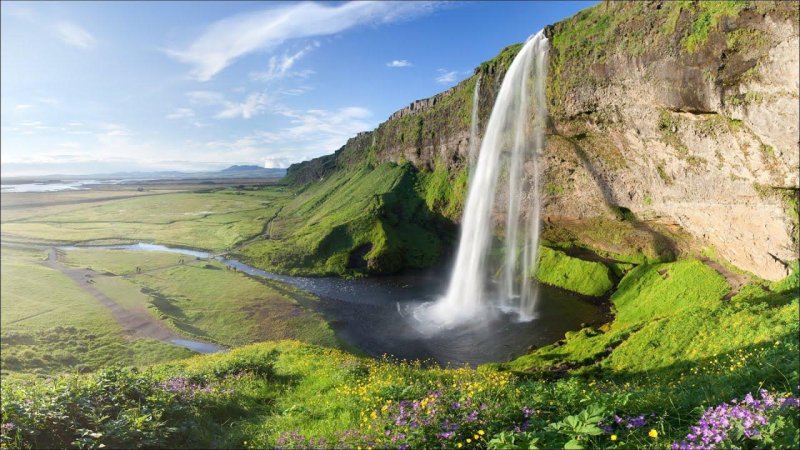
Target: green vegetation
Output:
[(49, 324), (214, 220), (232, 309), (709, 15), (584, 277), (638, 383), (120, 262), (366, 220)]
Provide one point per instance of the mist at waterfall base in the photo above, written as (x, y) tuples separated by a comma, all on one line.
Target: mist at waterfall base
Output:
[(486, 280)]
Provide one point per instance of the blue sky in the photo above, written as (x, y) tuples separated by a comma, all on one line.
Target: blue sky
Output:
[(91, 87)]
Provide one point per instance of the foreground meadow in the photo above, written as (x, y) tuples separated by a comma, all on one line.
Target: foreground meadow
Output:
[(712, 370)]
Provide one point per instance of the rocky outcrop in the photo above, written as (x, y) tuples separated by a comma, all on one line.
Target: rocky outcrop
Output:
[(672, 112)]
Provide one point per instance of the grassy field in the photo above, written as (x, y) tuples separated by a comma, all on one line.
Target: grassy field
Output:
[(213, 220), (207, 301), (49, 324)]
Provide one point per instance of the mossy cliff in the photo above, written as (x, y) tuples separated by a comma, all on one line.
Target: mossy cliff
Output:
[(673, 128)]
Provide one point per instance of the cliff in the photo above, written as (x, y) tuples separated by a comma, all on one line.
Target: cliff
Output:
[(674, 123)]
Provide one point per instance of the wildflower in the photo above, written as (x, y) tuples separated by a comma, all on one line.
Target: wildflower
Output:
[(613, 437), (476, 437), (481, 432), (459, 445), (653, 433)]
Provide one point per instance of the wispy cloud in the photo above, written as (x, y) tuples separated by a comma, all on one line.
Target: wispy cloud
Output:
[(205, 97), (309, 133), (280, 67), (231, 38), (181, 113), (446, 76), (254, 104), (23, 106), (74, 35), (399, 63)]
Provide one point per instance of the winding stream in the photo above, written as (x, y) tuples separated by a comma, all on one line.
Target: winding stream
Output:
[(376, 316)]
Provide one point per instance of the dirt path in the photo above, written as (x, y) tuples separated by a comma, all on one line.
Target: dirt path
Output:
[(266, 233), (734, 279), (135, 323)]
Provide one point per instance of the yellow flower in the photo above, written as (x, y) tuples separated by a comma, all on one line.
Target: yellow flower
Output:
[(653, 433), (476, 437), (613, 437), (459, 445), (469, 440), (481, 432)]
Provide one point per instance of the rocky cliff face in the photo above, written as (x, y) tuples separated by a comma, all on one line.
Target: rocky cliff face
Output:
[(674, 114)]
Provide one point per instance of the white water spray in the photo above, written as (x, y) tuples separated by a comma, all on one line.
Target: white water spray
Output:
[(508, 151)]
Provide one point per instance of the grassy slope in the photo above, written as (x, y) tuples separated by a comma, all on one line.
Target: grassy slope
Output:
[(375, 214), (584, 277)]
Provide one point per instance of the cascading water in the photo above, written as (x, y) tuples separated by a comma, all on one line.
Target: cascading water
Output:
[(508, 151), (473, 127)]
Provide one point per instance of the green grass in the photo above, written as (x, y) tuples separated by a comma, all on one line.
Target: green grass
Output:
[(377, 215), (229, 307), (674, 349), (121, 262), (213, 221), (50, 325), (671, 318), (584, 277)]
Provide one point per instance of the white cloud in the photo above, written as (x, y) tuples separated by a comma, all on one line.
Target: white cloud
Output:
[(205, 97), (310, 133), (229, 39), (399, 63), (181, 113), (446, 76), (254, 104), (74, 35), (113, 129), (279, 67), (23, 106), (276, 162)]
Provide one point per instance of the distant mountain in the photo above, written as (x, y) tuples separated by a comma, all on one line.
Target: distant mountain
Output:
[(244, 168)]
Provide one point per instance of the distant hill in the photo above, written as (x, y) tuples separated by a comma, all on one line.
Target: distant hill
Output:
[(244, 168)]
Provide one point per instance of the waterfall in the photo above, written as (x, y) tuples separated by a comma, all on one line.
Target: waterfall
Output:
[(508, 154), (473, 126)]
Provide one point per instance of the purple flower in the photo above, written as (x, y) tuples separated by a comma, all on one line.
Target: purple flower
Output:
[(750, 414)]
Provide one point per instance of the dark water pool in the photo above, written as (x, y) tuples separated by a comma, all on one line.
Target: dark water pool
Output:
[(377, 315)]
